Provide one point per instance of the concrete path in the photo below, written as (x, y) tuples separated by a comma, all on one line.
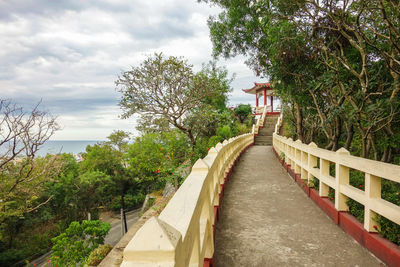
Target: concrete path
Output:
[(267, 220)]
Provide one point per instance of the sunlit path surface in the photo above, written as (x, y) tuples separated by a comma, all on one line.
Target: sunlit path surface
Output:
[(267, 220)]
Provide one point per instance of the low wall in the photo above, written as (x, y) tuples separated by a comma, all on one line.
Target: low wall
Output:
[(304, 162), (183, 234)]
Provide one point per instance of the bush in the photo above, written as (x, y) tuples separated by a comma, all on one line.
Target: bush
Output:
[(225, 132), (243, 128), (98, 254), (214, 140), (12, 255), (131, 201), (242, 112), (77, 242)]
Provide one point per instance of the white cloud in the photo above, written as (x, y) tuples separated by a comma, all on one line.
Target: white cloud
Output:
[(69, 53)]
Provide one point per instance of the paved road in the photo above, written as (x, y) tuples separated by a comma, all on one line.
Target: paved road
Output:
[(267, 220), (114, 235)]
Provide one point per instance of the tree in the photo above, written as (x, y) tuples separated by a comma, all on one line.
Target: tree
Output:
[(242, 112), (22, 175), (336, 64), (119, 140), (74, 245), (164, 90)]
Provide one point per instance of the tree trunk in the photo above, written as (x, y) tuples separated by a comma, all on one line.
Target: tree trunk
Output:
[(373, 146), (386, 153), (299, 122), (337, 134), (349, 139), (192, 139), (329, 146)]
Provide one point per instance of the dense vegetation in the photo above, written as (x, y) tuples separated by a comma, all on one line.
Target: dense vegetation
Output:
[(49, 204), (335, 65)]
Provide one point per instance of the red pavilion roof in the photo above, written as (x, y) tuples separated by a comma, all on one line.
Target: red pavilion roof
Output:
[(257, 87)]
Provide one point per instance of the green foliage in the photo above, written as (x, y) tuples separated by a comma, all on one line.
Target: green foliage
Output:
[(356, 209), (331, 194), (167, 92), (131, 202), (215, 140), (119, 140), (388, 229), (315, 184), (337, 73), (98, 254), (357, 179), (77, 242), (225, 132), (242, 112)]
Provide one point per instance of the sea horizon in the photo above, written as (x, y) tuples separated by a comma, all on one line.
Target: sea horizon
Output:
[(65, 146)]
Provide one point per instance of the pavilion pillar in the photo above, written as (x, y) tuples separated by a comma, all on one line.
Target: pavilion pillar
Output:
[(256, 100), (265, 96)]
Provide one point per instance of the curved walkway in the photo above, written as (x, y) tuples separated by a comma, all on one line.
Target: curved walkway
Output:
[(267, 220)]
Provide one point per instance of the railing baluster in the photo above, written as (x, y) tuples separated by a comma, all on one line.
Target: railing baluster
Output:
[(312, 162), (342, 178), (372, 192)]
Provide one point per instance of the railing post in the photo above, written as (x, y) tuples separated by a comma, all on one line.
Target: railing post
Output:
[(155, 241), (372, 191), (291, 152), (312, 162), (342, 178), (297, 156), (286, 149)]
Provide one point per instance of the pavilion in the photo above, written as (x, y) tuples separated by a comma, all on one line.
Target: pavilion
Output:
[(263, 89)]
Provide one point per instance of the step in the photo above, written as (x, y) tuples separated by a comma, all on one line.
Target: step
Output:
[(263, 139), (262, 144), (264, 136), (266, 131)]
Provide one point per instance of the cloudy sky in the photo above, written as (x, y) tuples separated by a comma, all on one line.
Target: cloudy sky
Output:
[(69, 53)]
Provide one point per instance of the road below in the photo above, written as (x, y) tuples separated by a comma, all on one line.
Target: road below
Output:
[(114, 235)]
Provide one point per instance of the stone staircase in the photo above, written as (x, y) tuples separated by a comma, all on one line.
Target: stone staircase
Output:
[(264, 137)]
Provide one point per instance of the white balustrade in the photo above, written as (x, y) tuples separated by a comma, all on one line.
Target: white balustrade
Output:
[(304, 158)]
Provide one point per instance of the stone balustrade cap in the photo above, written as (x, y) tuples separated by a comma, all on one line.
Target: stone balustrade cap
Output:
[(154, 239), (343, 151), (200, 165)]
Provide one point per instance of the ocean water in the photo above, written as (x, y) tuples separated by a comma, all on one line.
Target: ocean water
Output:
[(65, 146)]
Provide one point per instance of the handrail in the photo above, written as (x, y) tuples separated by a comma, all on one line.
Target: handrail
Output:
[(303, 159), (183, 233), (260, 121)]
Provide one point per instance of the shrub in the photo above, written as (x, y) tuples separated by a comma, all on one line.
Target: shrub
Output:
[(98, 254), (225, 132), (242, 112), (242, 128), (131, 201), (214, 140), (77, 242)]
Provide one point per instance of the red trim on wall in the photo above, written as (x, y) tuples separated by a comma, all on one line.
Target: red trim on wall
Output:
[(208, 262), (382, 248), (351, 226)]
